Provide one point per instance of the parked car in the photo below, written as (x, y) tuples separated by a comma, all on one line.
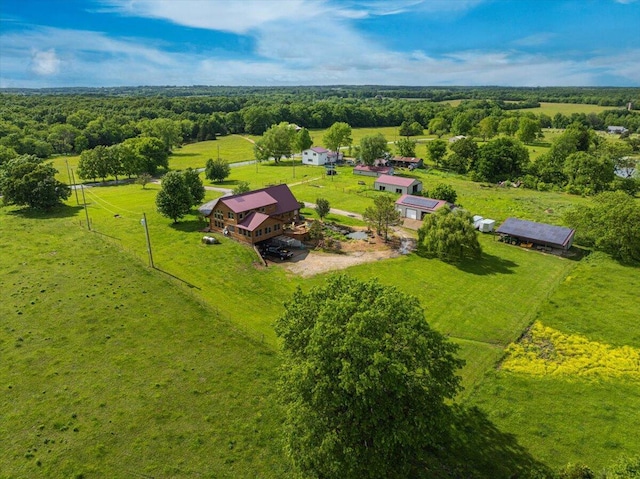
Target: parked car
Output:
[(276, 252)]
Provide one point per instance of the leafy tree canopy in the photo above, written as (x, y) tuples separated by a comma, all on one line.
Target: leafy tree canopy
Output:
[(217, 170), (382, 215), (194, 183), (406, 147), (449, 235), (338, 135), (502, 159), (277, 141), (373, 147), (322, 207), (26, 180), (611, 224), (364, 381), (174, 199), (444, 192)]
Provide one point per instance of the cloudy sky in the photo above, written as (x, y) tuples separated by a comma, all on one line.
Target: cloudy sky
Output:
[(54, 43)]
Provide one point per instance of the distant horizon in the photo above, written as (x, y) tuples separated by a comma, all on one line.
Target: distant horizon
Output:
[(263, 43)]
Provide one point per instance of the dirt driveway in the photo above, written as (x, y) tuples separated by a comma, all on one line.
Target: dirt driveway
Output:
[(313, 262)]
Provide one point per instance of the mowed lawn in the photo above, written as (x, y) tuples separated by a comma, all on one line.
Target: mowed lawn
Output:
[(578, 418), (109, 370)]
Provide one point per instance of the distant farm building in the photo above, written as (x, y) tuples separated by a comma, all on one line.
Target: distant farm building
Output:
[(536, 234), (397, 184), (365, 170), (416, 207), (616, 130), (317, 156), (253, 216), (406, 162), (453, 139)]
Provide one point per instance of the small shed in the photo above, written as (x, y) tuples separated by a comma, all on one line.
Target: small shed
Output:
[(416, 207), (407, 162), (486, 225), (372, 170), (539, 234), (397, 184)]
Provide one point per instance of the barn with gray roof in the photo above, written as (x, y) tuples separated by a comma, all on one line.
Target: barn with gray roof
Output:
[(540, 234)]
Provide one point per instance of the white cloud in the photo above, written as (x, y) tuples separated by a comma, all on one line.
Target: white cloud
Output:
[(229, 16), (45, 62), (535, 40)]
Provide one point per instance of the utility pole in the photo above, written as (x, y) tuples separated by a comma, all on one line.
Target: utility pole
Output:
[(75, 189), (146, 232), (84, 200)]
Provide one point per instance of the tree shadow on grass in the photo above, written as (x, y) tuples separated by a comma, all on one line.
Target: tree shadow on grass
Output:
[(189, 226), (476, 448), (62, 211), (487, 264)]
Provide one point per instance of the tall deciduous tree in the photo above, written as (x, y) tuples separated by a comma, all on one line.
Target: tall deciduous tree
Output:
[(528, 130), (322, 207), (448, 235), (382, 215), (365, 381), (217, 170), (406, 147), (26, 180), (166, 130), (501, 159), (277, 141), (373, 147), (436, 150), (174, 199), (611, 224), (303, 140), (337, 136), (194, 183), (587, 173), (444, 192)]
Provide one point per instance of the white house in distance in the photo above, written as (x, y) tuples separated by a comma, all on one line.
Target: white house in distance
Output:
[(397, 184), (316, 155)]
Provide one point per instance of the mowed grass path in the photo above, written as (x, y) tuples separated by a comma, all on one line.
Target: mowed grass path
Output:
[(109, 370), (577, 419)]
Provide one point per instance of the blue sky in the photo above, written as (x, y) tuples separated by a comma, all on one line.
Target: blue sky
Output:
[(56, 43)]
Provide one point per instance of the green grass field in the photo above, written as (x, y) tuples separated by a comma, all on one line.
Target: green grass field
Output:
[(169, 372), (110, 370), (585, 419)]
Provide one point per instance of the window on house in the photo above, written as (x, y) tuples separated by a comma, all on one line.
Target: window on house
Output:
[(398, 190), (230, 215)]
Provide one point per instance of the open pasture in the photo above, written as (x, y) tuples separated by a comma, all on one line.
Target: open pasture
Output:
[(583, 417), (110, 370), (482, 306)]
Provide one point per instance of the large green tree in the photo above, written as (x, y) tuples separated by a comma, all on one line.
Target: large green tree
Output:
[(322, 207), (449, 235), (337, 136), (587, 173), (364, 381), (373, 147), (303, 140), (166, 130), (611, 224), (528, 130), (174, 199), (217, 170), (406, 147), (501, 159), (436, 149), (26, 180), (194, 183), (277, 141)]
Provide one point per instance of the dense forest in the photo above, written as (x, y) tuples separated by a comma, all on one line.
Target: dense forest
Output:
[(62, 121)]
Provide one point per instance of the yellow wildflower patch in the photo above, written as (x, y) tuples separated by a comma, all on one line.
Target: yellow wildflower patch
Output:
[(546, 351)]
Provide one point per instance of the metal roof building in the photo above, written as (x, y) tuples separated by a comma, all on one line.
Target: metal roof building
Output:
[(538, 233)]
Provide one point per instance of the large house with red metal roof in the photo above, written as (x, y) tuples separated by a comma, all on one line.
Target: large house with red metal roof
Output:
[(254, 216)]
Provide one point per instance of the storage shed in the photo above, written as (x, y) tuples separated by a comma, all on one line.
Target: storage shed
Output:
[(539, 234), (416, 207), (398, 184)]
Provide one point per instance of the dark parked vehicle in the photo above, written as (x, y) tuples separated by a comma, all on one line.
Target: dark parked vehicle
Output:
[(276, 252)]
